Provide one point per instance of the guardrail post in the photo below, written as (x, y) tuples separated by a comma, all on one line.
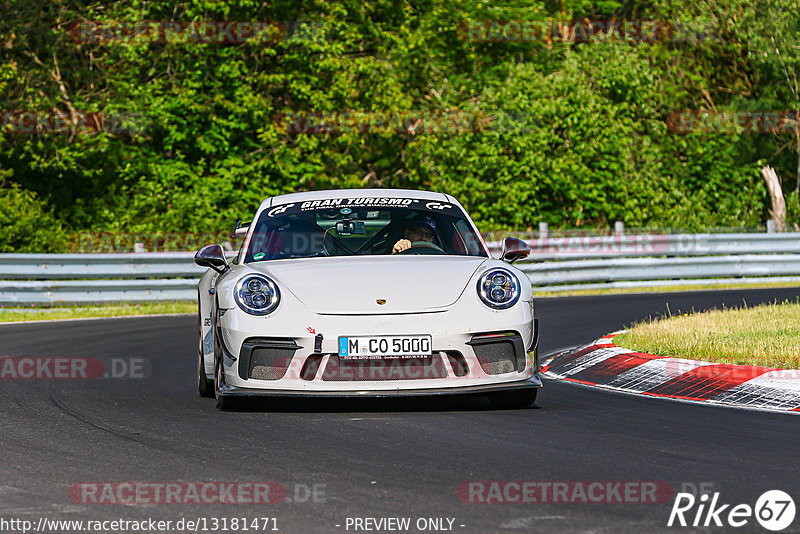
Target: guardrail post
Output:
[(619, 228), (770, 226), (543, 230)]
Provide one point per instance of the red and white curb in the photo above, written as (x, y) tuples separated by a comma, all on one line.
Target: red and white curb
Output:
[(604, 364)]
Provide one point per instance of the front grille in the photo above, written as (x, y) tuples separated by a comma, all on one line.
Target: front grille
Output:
[(496, 358), (499, 353), (269, 364), (265, 359), (417, 368)]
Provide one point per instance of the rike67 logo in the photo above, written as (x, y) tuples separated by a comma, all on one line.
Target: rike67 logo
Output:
[(774, 510)]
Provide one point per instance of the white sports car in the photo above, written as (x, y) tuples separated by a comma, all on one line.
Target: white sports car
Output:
[(369, 292)]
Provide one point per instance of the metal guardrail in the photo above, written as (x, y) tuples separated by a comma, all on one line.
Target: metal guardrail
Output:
[(87, 278), (555, 264), (674, 245), (628, 269), (86, 291), (62, 266)]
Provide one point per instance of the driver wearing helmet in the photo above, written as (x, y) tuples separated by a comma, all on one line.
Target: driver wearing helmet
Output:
[(420, 228)]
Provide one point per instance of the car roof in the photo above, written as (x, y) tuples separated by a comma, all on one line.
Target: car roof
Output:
[(355, 193)]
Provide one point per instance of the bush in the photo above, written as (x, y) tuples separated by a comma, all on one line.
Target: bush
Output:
[(28, 226)]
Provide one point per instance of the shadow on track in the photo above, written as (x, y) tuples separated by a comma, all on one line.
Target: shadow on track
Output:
[(475, 403)]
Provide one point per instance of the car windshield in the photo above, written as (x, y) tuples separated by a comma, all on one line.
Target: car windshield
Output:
[(361, 227)]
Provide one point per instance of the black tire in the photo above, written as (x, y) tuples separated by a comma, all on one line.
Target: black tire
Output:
[(204, 386), (520, 398), (223, 403)]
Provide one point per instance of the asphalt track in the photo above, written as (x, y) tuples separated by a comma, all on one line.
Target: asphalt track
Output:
[(392, 458)]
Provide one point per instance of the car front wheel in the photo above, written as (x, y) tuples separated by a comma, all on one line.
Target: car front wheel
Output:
[(204, 386), (223, 403)]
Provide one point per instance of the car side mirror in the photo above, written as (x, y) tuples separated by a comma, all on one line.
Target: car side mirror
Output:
[(241, 229), (514, 249), (212, 256)]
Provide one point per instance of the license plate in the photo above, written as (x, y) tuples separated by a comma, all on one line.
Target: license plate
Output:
[(384, 346)]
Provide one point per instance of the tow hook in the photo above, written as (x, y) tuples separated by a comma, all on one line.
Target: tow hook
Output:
[(318, 343)]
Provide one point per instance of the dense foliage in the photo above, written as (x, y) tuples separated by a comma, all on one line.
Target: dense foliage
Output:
[(578, 134)]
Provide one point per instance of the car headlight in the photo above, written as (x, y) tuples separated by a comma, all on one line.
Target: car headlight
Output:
[(498, 288), (256, 294)]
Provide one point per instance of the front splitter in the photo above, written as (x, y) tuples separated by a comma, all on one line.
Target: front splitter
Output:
[(533, 382)]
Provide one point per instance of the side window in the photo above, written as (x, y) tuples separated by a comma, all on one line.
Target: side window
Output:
[(267, 240), (467, 237)]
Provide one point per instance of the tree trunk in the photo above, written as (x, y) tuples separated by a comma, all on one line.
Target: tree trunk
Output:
[(778, 211), (797, 188)]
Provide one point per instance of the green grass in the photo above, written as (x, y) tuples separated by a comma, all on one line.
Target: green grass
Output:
[(661, 289), (767, 335), (15, 314)]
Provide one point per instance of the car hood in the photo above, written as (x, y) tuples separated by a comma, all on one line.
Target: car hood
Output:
[(347, 286)]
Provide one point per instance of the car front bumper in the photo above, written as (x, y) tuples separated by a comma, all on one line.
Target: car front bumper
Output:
[(465, 339)]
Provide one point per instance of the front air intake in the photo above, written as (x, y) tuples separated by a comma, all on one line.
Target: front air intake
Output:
[(310, 368), (266, 359), (458, 363), (499, 353)]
